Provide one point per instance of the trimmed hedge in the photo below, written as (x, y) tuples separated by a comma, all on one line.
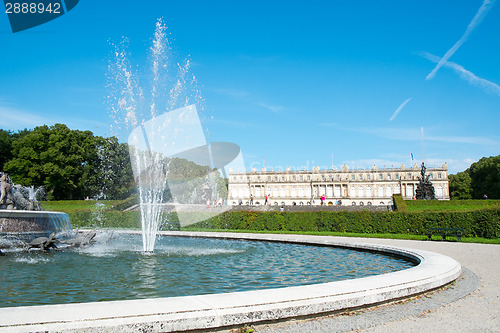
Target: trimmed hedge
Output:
[(399, 203), (479, 223), (105, 219), (117, 219)]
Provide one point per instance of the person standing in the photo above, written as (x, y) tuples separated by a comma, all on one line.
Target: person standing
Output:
[(251, 199)]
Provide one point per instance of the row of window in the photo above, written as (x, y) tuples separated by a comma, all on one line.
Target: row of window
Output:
[(308, 203), (330, 192), (352, 177)]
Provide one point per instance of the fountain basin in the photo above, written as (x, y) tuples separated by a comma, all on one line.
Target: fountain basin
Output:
[(220, 310), (27, 225)]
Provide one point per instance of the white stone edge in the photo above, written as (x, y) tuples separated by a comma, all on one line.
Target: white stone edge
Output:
[(220, 310), (4, 213)]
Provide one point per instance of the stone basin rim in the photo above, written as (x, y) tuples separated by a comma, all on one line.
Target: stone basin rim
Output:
[(7, 213), (238, 308)]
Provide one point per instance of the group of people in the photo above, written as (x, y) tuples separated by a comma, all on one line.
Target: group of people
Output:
[(267, 200), (215, 203), (322, 198)]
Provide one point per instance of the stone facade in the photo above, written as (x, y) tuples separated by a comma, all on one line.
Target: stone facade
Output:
[(354, 187)]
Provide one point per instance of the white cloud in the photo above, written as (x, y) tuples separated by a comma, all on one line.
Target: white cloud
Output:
[(400, 107), (369, 163), (234, 93), (15, 119), (405, 134), (454, 165), (476, 140), (272, 108), (481, 13), (232, 123), (245, 96), (465, 74), (415, 134), (328, 124)]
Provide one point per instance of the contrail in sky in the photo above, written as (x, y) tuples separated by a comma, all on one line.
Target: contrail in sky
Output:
[(394, 115), (481, 13), (465, 74)]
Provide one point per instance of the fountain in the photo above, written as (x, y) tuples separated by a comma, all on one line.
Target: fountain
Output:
[(21, 217), (163, 127)]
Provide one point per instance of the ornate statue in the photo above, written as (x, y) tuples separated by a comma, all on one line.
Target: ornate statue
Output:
[(425, 189), (6, 197), (15, 196), (44, 243)]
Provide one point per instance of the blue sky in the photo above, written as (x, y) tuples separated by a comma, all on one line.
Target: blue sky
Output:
[(296, 82)]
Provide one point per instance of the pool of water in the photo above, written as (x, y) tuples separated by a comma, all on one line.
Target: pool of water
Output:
[(118, 269)]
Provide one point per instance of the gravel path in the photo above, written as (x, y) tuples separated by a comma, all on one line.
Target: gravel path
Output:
[(471, 304)]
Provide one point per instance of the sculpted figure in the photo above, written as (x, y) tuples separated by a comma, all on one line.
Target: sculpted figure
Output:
[(425, 189), (6, 197), (81, 241), (16, 196), (44, 243)]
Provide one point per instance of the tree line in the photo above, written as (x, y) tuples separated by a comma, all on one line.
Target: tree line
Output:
[(481, 179), (74, 164), (69, 164)]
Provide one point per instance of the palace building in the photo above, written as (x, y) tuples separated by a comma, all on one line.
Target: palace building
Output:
[(355, 187)]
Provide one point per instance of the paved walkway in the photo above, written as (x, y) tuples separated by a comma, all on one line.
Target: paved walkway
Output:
[(472, 304)]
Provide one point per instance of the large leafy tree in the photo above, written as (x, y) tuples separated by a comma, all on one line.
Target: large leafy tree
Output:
[(194, 183), (485, 177), (109, 173), (6, 139), (71, 164), (54, 157), (460, 186), (481, 178)]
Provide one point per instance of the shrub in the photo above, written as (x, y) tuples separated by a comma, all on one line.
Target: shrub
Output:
[(399, 203), (478, 223)]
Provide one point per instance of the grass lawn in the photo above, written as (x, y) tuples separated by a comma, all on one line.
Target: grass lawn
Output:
[(70, 206), (361, 235)]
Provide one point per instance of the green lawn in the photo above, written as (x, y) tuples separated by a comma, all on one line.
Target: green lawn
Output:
[(70, 206), (451, 205), (361, 235)]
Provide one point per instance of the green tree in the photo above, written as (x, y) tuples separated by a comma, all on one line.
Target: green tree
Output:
[(109, 173), (194, 183), (485, 177), (52, 156), (6, 139), (460, 186)]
